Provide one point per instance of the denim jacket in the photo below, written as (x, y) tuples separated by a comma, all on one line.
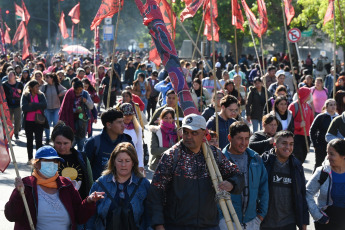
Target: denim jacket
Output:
[(98, 221)]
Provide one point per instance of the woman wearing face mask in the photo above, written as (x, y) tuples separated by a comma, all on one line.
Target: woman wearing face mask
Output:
[(318, 130), (284, 116), (163, 136), (53, 202)]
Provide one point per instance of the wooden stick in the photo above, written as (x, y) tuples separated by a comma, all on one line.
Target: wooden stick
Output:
[(262, 57), (334, 48), (95, 61), (262, 74), (113, 57), (197, 38), (177, 117), (294, 79), (236, 45), (16, 167)]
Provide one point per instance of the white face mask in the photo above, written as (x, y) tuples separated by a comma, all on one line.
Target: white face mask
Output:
[(48, 169)]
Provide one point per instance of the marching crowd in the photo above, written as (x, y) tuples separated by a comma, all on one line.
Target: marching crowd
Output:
[(259, 126)]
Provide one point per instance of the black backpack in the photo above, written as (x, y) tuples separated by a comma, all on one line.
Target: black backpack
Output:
[(323, 177)]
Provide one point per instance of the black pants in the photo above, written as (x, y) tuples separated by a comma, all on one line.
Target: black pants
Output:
[(32, 128), (320, 154), (287, 227), (112, 99), (336, 219), (300, 148), (151, 105)]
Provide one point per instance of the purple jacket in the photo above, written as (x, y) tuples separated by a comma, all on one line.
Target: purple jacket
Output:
[(78, 210)]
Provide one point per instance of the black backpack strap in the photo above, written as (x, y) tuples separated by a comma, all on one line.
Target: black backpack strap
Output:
[(105, 190), (323, 177), (135, 190)]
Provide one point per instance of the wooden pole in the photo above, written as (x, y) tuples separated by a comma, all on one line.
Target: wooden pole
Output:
[(335, 48), (95, 61), (236, 45), (262, 57), (16, 167), (197, 38), (340, 14), (113, 57), (294, 79)]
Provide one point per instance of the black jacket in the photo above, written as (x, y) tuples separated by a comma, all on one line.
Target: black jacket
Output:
[(255, 103), (208, 112), (298, 185), (318, 129), (259, 142)]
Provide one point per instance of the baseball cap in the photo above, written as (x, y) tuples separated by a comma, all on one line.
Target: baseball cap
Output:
[(218, 65), (47, 152), (194, 122), (280, 72), (127, 109)]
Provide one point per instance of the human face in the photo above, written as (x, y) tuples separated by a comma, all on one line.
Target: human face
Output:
[(219, 97), (35, 89), (231, 111), (226, 76), (196, 86), (168, 118), (101, 70), (171, 100), (86, 86), (281, 93), (239, 143), (237, 80), (331, 107), (49, 80), (78, 91), (62, 145), (284, 148), (258, 85), (214, 142), (38, 77), (281, 80), (11, 77), (126, 98), (309, 80), (272, 72), (25, 75), (230, 87), (335, 159), (117, 126), (282, 107), (127, 119), (123, 164), (318, 84), (341, 82), (193, 139), (271, 128), (81, 74)]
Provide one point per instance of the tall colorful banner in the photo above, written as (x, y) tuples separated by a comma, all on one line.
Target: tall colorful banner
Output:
[(191, 8), (237, 17), (20, 33), (62, 26), (208, 23), (253, 23), (262, 16), (289, 11), (26, 15), (107, 9), (329, 13)]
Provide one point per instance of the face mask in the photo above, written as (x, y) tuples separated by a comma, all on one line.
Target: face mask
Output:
[(48, 169)]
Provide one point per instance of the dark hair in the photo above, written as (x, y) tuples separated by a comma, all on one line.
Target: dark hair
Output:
[(166, 111), (141, 66), (277, 101), (257, 79), (64, 130), (280, 89), (238, 127), (229, 82), (281, 65), (268, 118), (54, 77), (227, 100), (282, 134), (197, 80), (32, 83), (77, 84), (142, 75), (170, 92), (87, 81), (155, 72), (338, 145), (271, 67), (110, 115), (126, 92), (339, 100), (287, 69)]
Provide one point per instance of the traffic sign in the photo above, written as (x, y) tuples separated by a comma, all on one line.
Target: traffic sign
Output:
[(108, 32), (108, 21), (294, 35)]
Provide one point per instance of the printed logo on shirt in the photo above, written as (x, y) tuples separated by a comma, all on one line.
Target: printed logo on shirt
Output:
[(282, 179)]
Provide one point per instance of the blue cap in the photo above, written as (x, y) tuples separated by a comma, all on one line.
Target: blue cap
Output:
[(47, 152)]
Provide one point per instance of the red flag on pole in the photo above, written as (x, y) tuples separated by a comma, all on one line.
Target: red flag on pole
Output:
[(289, 11), (26, 44), (7, 35), (208, 23), (192, 7), (26, 15), (237, 17), (4, 154), (329, 13), (20, 33), (253, 23), (107, 9), (154, 55), (18, 10), (165, 8), (262, 16), (62, 25), (75, 14)]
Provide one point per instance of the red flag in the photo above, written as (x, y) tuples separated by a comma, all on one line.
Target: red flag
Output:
[(262, 16), (253, 23), (289, 11), (7, 35), (97, 47), (26, 44), (208, 23), (237, 17), (62, 26), (154, 55), (165, 8), (75, 14), (20, 33), (107, 9), (329, 13), (192, 7), (19, 10), (26, 15), (4, 155), (72, 32)]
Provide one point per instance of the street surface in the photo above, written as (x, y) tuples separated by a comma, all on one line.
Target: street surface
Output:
[(7, 178)]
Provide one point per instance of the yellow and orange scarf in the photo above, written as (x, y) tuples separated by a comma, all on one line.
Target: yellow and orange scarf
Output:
[(49, 183)]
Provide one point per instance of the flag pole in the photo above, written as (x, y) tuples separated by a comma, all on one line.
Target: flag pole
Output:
[(236, 45), (197, 38), (334, 49), (16, 167), (113, 56), (294, 79), (95, 59), (263, 57)]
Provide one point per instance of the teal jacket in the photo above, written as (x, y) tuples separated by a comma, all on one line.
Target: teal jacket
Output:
[(258, 188)]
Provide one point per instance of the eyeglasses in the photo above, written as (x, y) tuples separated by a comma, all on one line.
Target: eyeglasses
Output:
[(232, 110), (122, 193)]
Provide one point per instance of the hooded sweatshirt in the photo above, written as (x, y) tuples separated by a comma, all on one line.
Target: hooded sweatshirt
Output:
[(308, 114)]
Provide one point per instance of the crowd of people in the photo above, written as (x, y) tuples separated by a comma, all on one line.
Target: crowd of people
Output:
[(259, 126)]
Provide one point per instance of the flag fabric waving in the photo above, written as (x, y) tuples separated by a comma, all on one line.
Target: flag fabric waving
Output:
[(75, 14), (18, 10), (107, 9), (26, 15), (20, 33), (208, 22), (329, 13), (289, 11), (253, 23), (62, 25), (7, 35), (26, 44), (191, 8), (153, 19), (237, 17), (262, 16), (4, 155)]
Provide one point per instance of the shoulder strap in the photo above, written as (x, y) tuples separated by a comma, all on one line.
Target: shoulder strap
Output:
[(97, 143), (312, 92), (105, 190), (57, 89), (135, 190), (176, 158), (45, 89), (296, 109), (323, 177)]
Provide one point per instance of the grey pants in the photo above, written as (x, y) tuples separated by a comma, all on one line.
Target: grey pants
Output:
[(16, 118)]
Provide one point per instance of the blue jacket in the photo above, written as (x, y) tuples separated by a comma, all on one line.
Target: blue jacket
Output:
[(163, 88), (98, 221), (258, 188), (99, 148), (223, 129)]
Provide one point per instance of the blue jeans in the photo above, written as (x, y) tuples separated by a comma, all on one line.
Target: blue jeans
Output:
[(79, 142), (52, 116), (144, 99), (256, 124)]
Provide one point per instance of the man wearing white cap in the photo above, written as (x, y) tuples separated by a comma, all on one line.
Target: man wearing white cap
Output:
[(181, 195), (280, 81)]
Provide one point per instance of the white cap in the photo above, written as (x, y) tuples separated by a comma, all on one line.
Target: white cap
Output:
[(194, 122), (218, 65), (280, 72)]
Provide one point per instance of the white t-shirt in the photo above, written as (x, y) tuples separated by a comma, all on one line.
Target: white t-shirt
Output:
[(138, 144)]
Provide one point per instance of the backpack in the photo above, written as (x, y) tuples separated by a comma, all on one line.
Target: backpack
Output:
[(324, 89), (308, 62), (323, 177), (57, 92), (319, 65)]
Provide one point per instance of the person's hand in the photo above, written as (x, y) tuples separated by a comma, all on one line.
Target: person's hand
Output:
[(248, 119), (260, 217), (95, 121), (324, 219), (95, 196), (84, 100), (19, 91), (226, 186), (61, 94), (19, 184), (142, 170), (157, 121), (201, 103), (271, 140), (159, 227), (304, 227), (302, 124), (179, 132)]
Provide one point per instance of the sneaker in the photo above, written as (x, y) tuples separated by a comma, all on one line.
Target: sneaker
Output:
[(17, 136), (28, 163)]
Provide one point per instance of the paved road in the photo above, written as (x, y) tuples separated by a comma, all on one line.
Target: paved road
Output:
[(7, 178)]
